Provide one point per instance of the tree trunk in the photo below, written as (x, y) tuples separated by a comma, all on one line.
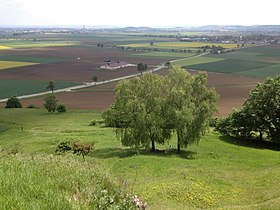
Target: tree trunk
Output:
[(153, 145), (261, 136), (178, 143)]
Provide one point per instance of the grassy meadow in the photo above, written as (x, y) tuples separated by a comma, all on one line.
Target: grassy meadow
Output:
[(219, 173)]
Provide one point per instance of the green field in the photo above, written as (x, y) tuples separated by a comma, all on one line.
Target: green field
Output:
[(230, 66), (13, 64), (169, 55), (260, 61), (197, 60), (10, 88), (33, 44), (220, 173), (179, 45), (30, 59)]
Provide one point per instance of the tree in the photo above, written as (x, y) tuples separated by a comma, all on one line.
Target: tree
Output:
[(51, 86), (191, 105), (260, 113), (138, 112), (149, 108), (13, 102), (82, 148), (50, 103), (76, 146), (61, 108), (168, 64), (141, 67), (151, 43), (94, 78)]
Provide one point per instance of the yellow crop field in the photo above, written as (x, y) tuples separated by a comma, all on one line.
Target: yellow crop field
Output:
[(181, 45), (13, 64), (4, 47)]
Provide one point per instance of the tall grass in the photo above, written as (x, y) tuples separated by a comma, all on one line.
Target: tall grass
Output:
[(54, 182)]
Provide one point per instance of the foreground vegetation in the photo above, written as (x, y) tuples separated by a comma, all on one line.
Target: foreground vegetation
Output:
[(221, 172), (53, 182)]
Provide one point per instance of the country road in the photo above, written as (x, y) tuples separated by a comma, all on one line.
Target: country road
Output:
[(69, 89)]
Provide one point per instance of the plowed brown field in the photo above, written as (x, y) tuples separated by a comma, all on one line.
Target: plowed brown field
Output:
[(233, 91)]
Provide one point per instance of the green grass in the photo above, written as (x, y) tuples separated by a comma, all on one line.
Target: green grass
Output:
[(10, 88), (169, 55), (270, 71), (179, 45), (230, 66), (46, 182), (197, 60), (30, 59), (32, 44), (220, 173), (12, 64), (264, 51)]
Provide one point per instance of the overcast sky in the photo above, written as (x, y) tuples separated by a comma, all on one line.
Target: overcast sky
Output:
[(139, 13)]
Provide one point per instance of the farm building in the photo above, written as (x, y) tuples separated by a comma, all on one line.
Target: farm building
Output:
[(111, 65)]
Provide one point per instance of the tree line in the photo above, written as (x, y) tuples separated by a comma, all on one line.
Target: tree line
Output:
[(150, 108), (260, 115)]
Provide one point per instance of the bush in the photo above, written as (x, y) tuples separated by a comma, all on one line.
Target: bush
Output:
[(95, 122), (50, 103), (76, 146), (63, 147), (13, 102), (81, 148), (61, 108), (92, 123)]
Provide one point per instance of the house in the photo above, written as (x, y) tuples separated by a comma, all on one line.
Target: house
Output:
[(112, 65)]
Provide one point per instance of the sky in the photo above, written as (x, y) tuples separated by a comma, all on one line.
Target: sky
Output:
[(150, 13)]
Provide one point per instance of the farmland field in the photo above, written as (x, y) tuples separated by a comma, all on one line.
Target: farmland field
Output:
[(33, 44), (259, 61), (230, 66), (220, 173), (169, 55), (4, 47), (10, 88), (197, 60), (31, 59), (13, 64), (180, 45), (233, 90)]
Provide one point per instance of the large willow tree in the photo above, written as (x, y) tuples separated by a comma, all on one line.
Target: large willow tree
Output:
[(138, 112), (191, 105), (148, 108)]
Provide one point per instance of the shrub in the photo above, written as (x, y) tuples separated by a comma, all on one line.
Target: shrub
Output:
[(50, 103), (63, 147), (82, 148), (92, 123), (77, 147), (61, 108), (13, 102)]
